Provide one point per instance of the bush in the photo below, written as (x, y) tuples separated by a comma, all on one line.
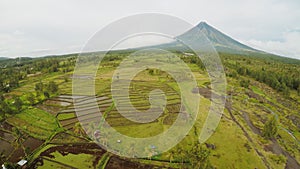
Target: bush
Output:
[(245, 83), (270, 128), (279, 159)]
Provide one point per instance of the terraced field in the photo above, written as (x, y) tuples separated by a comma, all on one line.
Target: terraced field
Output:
[(63, 108)]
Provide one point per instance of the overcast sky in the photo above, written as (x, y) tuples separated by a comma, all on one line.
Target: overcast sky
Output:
[(42, 27)]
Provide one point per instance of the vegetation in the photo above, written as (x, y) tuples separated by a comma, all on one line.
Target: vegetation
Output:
[(36, 102), (199, 157), (270, 128)]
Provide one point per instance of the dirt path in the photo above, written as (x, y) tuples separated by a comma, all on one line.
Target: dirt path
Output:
[(274, 147), (250, 124), (229, 108), (277, 149)]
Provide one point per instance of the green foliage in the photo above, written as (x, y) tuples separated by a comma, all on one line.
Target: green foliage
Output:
[(233, 74), (18, 103), (245, 83), (151, 71), (47, 89), (66, 79), (52, 87), (199, 157), (9, 165), (13, 71), (270, 128), (39, 87), (35, 122), (46, 94), (4, 108), (278, 74), (31, 98), (39, 124), (278, 159)]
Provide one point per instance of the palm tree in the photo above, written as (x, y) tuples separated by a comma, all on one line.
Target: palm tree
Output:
[(18, 135)]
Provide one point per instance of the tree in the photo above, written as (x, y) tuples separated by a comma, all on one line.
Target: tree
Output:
[(2, 112), (5, 109), (66, 79), (18, 135), (52, 87), (245, 83), (199, 157), (151, 71), (39, 87), (285, 90), (27, 151), (30, 98), (270, 128), (46, 94), (18, 103)]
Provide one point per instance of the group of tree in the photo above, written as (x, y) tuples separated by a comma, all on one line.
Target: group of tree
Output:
[(14, 106), (47, 89), (280, 81), (12, 74), (196, 157)]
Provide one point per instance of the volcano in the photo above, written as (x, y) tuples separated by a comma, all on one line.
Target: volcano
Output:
[(203, 37), (220, 41), (204, 33)]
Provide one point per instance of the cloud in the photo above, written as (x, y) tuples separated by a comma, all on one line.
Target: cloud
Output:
[(32, 25), (289, 46)]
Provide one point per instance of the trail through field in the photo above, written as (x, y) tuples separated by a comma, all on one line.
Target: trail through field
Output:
[(229, 108)]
